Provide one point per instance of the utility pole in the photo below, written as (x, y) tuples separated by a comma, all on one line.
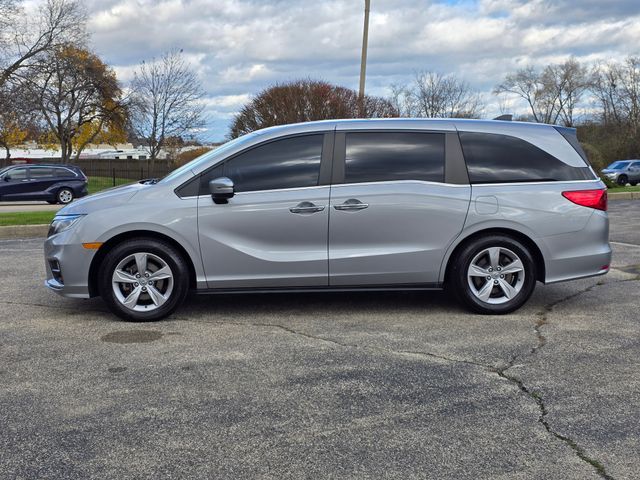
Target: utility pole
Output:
[(365, 41)]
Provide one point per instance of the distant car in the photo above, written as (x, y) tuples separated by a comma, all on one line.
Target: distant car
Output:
[(52, 183), (623, 172)]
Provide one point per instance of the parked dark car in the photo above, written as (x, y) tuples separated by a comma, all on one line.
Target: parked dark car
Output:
[(53, 183)]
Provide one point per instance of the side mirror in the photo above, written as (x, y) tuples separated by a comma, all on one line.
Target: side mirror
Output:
[(221, 189), (7, 177)]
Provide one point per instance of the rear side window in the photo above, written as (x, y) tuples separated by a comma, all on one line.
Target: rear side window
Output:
[(288, 163), (387, 156), (494, 158)]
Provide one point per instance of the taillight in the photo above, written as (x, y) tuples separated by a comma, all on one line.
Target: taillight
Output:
[(588, 198)]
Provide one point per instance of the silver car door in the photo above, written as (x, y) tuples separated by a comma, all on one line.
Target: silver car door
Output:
[(392, 214), (273, 231)]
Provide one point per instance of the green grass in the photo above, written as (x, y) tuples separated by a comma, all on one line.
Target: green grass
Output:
[(26, 218), (625, 189), (101, 183)]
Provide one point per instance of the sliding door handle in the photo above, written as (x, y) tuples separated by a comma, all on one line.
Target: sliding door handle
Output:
[(351, 204)]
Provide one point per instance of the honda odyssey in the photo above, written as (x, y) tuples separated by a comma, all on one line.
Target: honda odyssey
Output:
[(484, 208)]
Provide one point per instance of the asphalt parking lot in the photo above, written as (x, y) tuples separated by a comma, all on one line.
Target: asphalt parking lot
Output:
[(396, 385)]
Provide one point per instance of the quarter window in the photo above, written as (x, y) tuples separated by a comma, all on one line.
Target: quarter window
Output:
[(387, 156), (494, 158), (288, 163)]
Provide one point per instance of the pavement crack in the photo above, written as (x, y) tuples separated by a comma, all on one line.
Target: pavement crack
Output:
[(543, 320), (542, 419)]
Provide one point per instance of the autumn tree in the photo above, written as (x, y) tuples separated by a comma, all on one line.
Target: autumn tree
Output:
[(166, 102), (17, 119), (79, 99), (304, 101), (434, 95)]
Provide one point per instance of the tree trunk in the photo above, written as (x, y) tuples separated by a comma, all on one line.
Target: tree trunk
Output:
[(8, 156)]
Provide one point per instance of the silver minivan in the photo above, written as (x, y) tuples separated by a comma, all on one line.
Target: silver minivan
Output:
[(485, 208)]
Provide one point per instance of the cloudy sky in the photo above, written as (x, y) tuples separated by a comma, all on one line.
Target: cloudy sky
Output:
[(239, 47)]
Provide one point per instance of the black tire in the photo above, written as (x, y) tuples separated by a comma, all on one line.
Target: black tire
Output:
[(64, 196), (458, 275), (623, 180), (157, 248), (633, 184)]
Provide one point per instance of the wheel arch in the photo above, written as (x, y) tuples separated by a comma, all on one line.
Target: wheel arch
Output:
[(106, 247), (525, 239)]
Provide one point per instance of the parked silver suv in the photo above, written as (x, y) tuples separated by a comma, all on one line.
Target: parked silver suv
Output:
[(486, 208), (623, 172)]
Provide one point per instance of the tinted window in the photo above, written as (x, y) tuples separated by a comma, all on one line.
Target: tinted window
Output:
[(493, 158), (63, 172), (39, 172), (385, 156), (287, 163), (17, 173)]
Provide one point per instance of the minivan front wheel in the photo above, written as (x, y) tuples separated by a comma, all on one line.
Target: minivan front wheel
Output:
[(144, 279), (494, 274)]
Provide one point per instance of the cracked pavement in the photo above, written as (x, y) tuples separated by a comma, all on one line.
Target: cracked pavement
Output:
[(358, 385)]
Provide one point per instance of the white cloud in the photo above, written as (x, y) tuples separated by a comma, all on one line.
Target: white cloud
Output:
[(239, 47)]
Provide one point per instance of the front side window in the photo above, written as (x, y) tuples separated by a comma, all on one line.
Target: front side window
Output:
[(288, 163), (495, 158), (388, 156), (17, 173)]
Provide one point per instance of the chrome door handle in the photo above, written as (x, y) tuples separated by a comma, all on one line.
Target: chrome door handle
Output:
[(306, 207), (351, 204)]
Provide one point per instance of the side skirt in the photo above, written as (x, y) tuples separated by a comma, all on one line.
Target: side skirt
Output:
[(328, 289)]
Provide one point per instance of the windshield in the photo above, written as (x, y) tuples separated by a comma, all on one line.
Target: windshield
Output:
[(206, 157), (618, 165)]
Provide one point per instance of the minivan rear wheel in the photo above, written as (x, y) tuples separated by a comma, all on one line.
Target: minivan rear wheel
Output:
[(64, 196), (143, 279), (494, 274)]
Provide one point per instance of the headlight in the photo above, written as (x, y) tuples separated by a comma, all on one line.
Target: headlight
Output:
[(61, 223)]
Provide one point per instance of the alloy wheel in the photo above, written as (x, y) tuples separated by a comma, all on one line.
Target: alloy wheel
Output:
[(495, 275), (142, 282)]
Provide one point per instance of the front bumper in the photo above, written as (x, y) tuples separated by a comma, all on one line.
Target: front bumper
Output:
[(67, 265)]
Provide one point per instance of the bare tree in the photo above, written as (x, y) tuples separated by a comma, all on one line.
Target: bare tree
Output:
[(552, 94), (165, 101), (527, 84), (78, 97), (304, 101), (24, 40), (617, 88), (434, 95)]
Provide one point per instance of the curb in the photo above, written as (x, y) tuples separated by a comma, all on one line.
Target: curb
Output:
[(624, 195), (23, 231)]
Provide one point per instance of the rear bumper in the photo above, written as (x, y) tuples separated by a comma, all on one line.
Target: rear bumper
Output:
[(582, 254)]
